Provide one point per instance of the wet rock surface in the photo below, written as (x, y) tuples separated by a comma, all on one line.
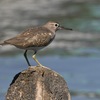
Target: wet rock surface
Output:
[(38, 83)]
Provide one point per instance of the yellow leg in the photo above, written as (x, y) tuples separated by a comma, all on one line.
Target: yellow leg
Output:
[(34, 57)]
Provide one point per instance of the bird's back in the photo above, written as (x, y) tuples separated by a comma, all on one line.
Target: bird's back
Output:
[(32, 37)]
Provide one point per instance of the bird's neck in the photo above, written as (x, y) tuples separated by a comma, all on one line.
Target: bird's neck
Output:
[(49, 28)]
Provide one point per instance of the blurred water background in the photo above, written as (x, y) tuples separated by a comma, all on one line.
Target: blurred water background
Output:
[(75, 55)]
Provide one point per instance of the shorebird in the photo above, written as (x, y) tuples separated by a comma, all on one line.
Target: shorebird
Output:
[(35, 38)]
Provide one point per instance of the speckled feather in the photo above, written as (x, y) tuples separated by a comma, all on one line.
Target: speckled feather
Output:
[(32, 37)]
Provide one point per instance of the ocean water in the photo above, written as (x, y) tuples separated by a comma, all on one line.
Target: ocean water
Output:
[(81, 73)]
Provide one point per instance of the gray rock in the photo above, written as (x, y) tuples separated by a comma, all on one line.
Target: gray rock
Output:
[(38, 83)]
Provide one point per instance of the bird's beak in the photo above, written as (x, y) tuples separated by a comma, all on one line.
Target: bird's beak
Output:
[(61, 27)]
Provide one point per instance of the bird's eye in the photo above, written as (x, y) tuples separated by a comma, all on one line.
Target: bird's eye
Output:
[(56, 25)]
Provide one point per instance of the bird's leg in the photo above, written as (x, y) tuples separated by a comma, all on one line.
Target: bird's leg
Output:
[(25, 55), (34, 57)]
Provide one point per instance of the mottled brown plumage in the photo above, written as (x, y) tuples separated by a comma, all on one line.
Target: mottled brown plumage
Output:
[(35, 38)]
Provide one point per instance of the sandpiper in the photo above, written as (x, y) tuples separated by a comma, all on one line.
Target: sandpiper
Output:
[(35, 38)]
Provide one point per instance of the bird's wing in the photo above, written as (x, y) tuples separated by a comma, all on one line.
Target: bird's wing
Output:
[(37, 36)]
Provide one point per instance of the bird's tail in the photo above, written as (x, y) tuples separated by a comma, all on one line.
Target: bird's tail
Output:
[(3, 43)]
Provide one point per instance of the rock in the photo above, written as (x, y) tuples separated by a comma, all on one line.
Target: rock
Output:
[(38, 83)]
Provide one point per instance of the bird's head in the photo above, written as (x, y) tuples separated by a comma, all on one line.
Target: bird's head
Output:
[(54, 26)]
